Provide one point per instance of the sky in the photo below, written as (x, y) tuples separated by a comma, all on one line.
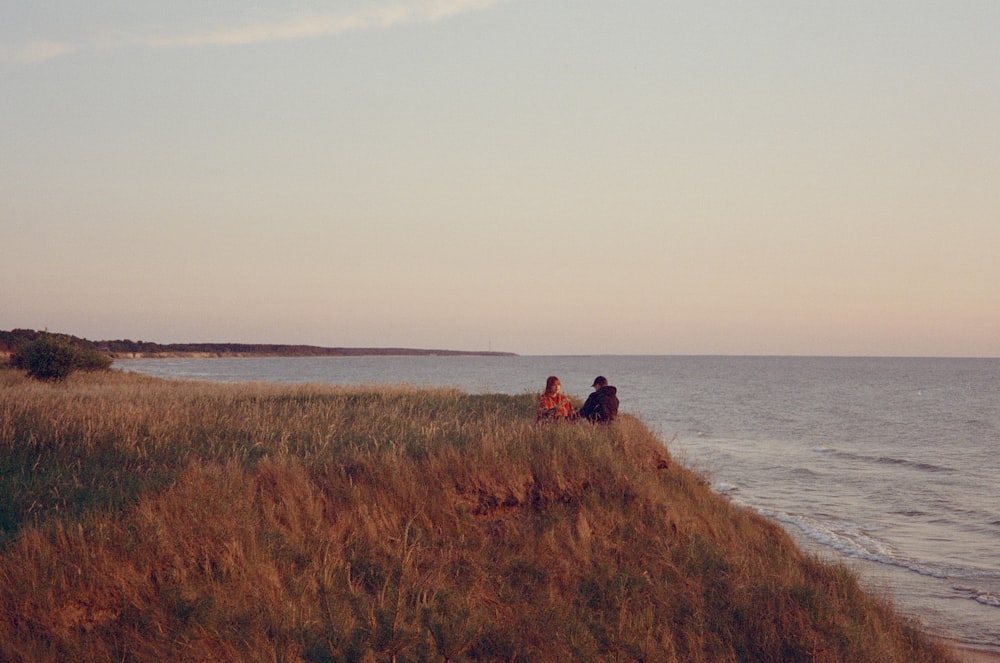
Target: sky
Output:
[(531, 176)]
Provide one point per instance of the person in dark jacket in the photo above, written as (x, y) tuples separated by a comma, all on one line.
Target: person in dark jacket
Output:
[(602, 405)]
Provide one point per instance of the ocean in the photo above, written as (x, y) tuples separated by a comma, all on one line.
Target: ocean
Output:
[(890, 465)]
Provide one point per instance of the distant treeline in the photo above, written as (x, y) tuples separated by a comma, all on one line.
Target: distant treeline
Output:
[(10, 341)]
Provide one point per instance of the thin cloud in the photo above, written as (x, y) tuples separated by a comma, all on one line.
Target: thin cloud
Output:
[(299, 27), (303, 27), (323, 25), (36, 52)]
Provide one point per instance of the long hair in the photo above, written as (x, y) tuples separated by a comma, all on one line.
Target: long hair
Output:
[(550, 384)]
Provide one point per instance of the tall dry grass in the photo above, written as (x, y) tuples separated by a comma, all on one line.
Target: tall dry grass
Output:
[(147, 520)]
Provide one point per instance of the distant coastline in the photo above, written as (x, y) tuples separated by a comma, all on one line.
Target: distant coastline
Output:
[(128, 349), (213, 350)]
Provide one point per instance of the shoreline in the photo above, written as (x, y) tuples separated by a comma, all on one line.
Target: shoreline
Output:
[(360, 352)]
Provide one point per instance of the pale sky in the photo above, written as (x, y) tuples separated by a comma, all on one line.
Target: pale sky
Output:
[(532, 176)]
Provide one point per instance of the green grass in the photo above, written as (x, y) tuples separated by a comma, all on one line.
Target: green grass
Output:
[(146, 520)]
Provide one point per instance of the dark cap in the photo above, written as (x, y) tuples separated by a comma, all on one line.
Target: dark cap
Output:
[(599, 381)]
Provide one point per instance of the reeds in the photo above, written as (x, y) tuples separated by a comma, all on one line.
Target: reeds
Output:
[(147, 520)]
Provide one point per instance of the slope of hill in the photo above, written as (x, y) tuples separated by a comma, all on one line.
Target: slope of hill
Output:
[(146, 520)]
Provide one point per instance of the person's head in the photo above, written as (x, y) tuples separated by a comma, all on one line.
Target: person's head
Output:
[(600, 381), (552, 385)]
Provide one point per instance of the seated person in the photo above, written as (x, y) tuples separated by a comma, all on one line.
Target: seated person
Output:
[(553, 404), (602, 405)]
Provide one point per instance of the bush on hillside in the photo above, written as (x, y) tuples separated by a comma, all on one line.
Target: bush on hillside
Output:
[(53, 358)]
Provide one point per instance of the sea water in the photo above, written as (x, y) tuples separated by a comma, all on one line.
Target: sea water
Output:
[(891, 465)]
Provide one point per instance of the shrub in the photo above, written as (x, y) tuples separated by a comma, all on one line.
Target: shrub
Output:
[(53, 358)]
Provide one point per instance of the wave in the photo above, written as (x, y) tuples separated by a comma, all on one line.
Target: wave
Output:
[(802, 473), (914, 513), (851, 542), (724, 488), (979, 596), (885, 460), (988, 599)]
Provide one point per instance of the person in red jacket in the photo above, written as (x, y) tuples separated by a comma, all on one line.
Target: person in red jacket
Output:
[(553, 404), (602, 405)]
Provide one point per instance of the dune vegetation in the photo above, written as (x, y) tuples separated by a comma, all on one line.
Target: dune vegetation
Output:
[(152, 520)]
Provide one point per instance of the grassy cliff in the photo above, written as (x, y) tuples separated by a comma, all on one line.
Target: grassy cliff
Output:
[(146, 520)]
